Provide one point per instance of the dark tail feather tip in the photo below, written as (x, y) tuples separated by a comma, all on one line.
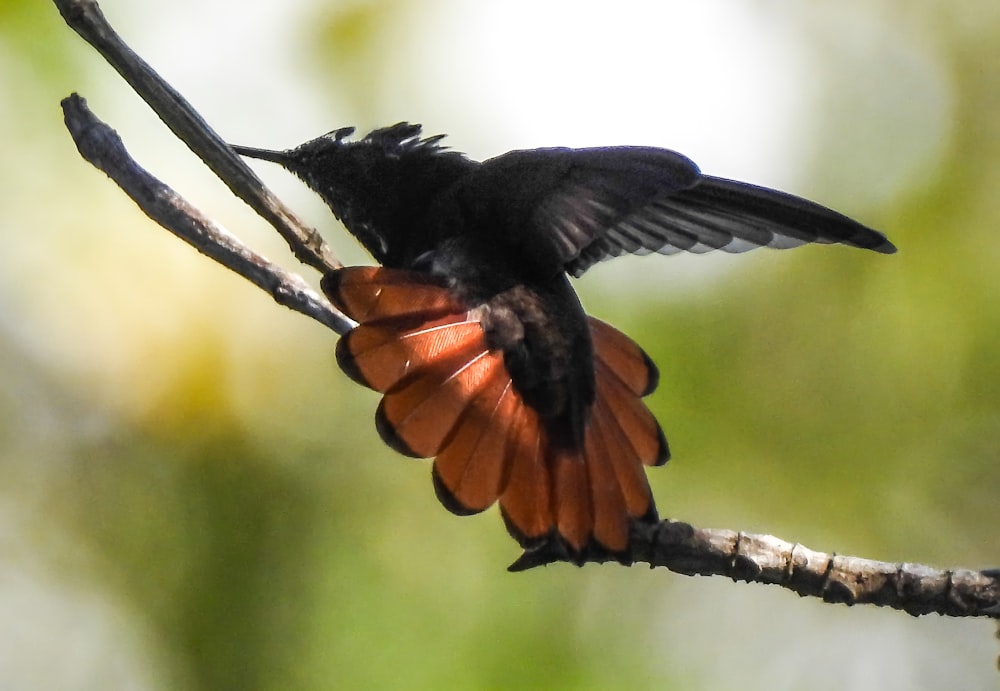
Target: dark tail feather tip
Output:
[(330, 283), (387, 432), (664, 448), (528, 542), (448, 499), (347, 363), (654, 375)]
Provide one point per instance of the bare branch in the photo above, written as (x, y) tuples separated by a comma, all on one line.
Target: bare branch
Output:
[(677, 546), (913, 588), (85, 17), (101, 146)]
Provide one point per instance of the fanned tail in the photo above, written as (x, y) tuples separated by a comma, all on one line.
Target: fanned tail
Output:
[(447, 395), (601, 491)]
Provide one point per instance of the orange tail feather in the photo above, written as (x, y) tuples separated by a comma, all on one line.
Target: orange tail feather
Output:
[(623, 357), (525, 501), (367, 293), (379, 355), (417, 416), (611, 516), (572, 498), (471, 471), (624, 464), (633, 418)]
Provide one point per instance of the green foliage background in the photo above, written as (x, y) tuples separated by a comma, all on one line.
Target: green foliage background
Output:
[(192, 496)]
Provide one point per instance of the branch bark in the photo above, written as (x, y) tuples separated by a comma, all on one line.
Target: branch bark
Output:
[(85, 17), (102, 147), (680, 547), (914, 588)]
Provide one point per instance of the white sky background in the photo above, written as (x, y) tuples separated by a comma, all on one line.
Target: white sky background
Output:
[(711, 79), (716, 80)]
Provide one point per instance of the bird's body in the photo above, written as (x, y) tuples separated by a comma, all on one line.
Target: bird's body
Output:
[(474, 333)]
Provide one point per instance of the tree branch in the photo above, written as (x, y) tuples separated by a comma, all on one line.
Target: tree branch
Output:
[(101, 146), (679, 547), (913, 588), (85, 17)]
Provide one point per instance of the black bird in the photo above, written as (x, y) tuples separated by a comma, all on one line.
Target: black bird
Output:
[(472, 331)]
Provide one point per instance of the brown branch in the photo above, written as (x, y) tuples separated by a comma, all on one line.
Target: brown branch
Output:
[(913, 588), (677, 546), (101, 146), (85, 17)]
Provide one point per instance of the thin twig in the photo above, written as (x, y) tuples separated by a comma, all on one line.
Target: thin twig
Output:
[(85, 17), (101, 146), (677, 546)]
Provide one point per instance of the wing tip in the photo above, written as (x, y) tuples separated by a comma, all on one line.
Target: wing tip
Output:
[(885, 247), (865, 238)]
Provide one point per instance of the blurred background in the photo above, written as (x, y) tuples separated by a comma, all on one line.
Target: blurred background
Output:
[(193, 496)]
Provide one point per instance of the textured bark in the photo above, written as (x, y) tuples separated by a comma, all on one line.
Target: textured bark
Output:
[(913, 588)]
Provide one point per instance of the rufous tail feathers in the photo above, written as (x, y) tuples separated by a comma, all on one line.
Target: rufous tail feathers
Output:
[(448, 396)]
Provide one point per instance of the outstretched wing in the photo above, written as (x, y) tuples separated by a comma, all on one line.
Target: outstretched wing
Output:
[(581, 206), (727, 215)]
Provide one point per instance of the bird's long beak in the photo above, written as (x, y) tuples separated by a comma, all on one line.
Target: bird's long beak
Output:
[(279, 157)]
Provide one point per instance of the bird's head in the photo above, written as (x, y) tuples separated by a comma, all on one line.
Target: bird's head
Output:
[(379, 186)]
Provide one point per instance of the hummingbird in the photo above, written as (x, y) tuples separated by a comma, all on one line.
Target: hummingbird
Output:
[(472, 331)]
